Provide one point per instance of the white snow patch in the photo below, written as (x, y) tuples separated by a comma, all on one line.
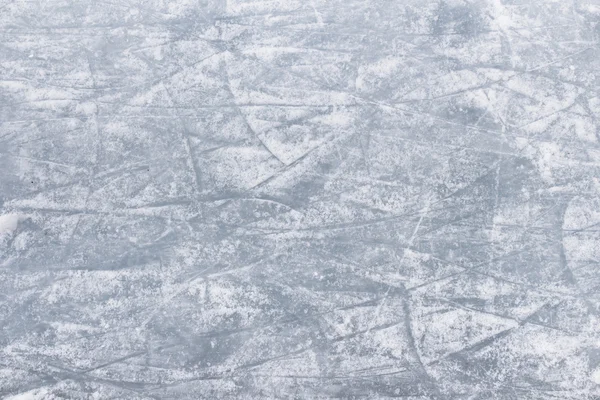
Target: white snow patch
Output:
[(382, 69), (596, 377), (13, 86), (591, 8), (339, 119), (36, 394), (582, 213), (547, 158), (8, 224), (86, 108)]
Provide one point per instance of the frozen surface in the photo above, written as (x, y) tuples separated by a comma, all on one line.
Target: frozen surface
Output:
[(300, 199)]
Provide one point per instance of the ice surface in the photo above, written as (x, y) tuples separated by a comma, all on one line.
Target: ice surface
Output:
[(285, 199)]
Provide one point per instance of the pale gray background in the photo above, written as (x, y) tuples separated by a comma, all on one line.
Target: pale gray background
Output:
[(300, 199)]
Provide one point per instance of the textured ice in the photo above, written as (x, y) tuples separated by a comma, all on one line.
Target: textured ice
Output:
[(353, 199)]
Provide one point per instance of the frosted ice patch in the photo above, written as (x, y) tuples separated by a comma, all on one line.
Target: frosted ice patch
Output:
[(36, 394), (582, 213), (86, 108), (8, 224), (596, 377)]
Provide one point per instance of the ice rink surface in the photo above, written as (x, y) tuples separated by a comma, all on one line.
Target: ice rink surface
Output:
[(300, 199)]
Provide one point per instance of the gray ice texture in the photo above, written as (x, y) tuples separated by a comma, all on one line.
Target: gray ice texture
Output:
[(300, 199)]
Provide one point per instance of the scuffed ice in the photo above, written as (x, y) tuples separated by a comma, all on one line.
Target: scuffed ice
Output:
[(300, 199)]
